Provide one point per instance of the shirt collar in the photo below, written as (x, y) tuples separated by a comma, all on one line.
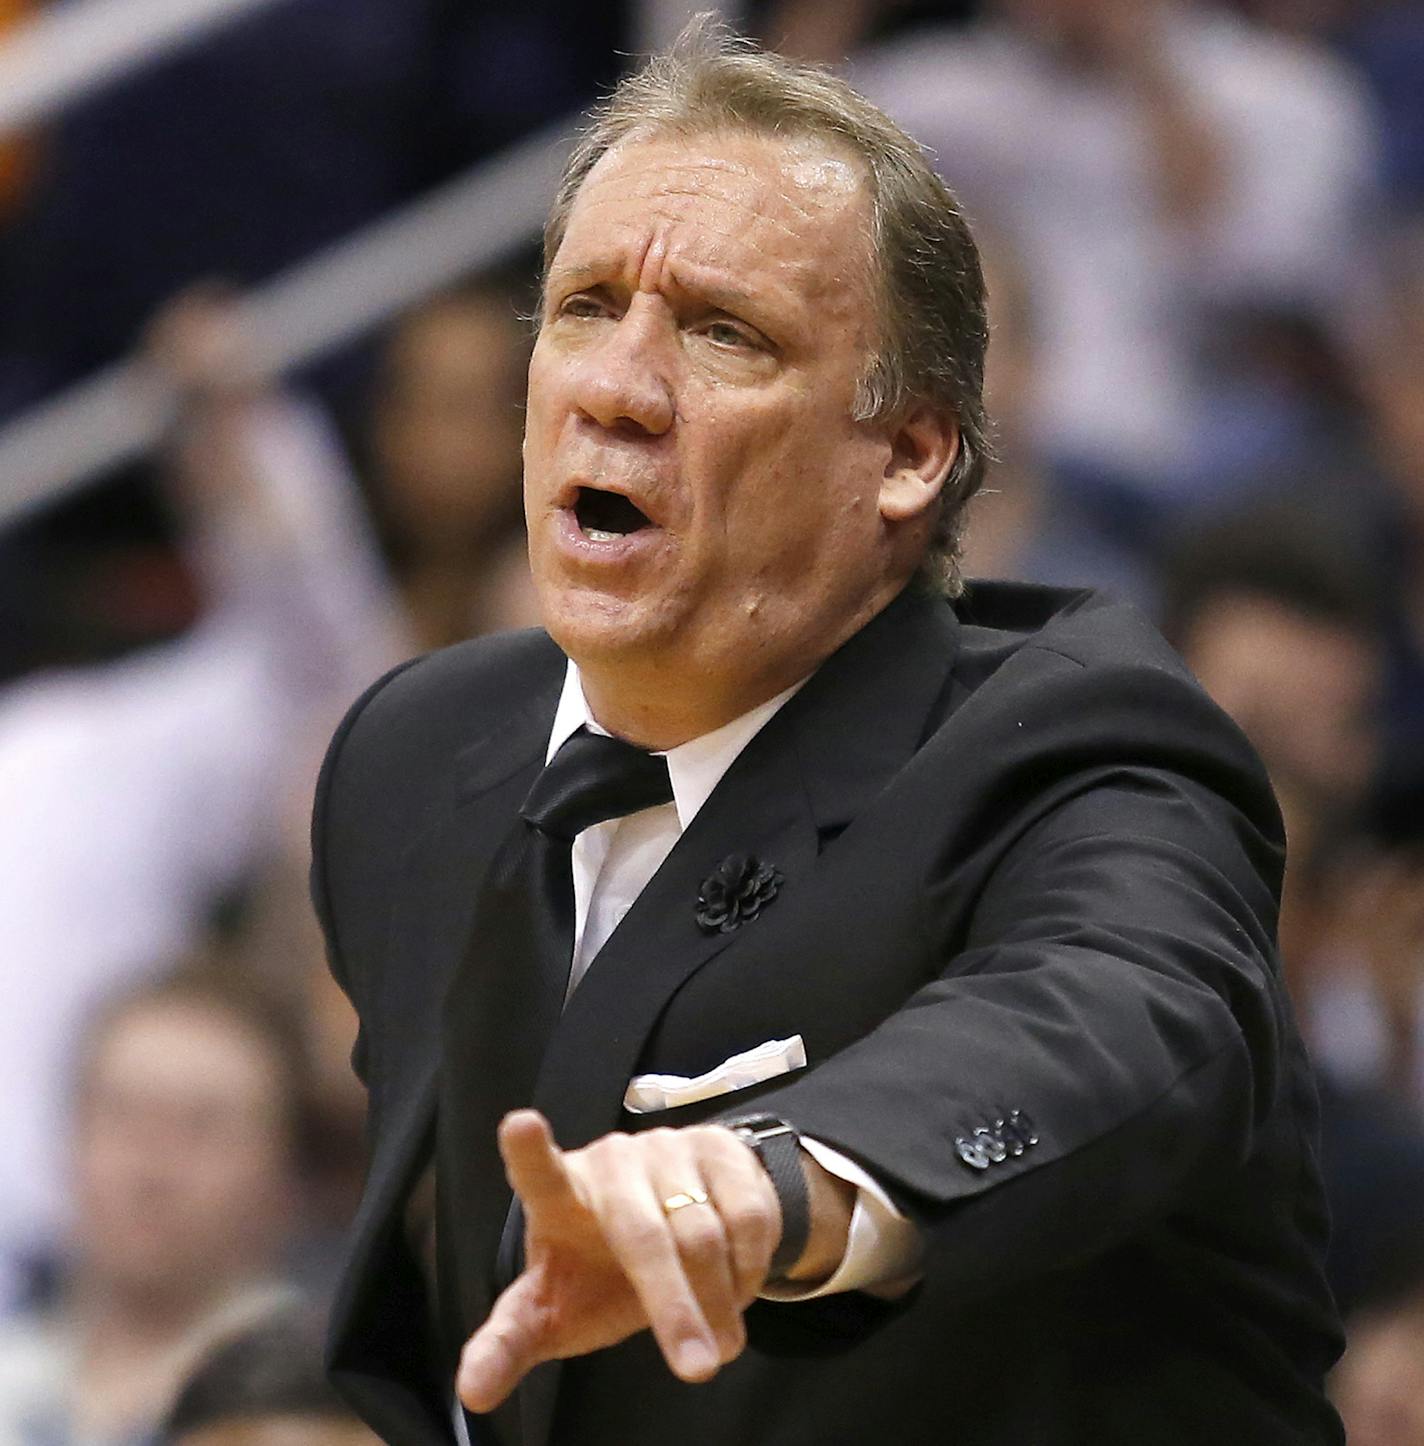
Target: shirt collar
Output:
[(696, 767)]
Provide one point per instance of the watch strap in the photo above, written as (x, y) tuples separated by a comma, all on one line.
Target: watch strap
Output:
[(778, 1146)]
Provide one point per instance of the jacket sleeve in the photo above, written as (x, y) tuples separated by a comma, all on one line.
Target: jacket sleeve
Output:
[(327, 844), (1114, 984)]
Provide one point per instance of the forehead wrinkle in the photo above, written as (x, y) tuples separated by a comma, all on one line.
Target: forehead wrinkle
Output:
[(759, 215), (819, 163), (682, 232), (670, 191), (755, 207), (716, 282), (653, 179), (813, 184), (739, 269), (665, 198)]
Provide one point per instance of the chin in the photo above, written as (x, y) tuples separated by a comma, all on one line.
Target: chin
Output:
[(597, 627)]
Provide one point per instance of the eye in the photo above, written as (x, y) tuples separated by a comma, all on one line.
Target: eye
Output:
[(732, 334), (581, 305)]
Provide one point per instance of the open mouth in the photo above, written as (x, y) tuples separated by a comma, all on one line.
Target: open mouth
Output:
[(607, 516)]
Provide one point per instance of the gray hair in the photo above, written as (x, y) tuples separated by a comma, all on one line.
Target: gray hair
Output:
[(933, 325)]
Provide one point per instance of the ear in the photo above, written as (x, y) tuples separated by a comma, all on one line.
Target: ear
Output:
[(923, 446)]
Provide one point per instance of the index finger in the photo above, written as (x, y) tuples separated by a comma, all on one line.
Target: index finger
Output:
[(533, 1162)]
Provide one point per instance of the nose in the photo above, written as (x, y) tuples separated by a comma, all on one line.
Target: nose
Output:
[(623, 381)]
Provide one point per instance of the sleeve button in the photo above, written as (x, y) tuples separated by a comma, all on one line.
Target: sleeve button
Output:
[(972, 1153), (992, 1145)]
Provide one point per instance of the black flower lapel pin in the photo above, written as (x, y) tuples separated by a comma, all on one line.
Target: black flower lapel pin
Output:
[(736, 891)]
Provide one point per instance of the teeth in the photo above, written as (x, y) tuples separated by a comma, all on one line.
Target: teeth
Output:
[(597, 534)]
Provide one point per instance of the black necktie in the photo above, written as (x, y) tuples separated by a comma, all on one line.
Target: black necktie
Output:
[(593, 778), (506, 1000)]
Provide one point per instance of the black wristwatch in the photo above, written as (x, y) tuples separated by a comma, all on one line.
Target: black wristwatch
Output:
[(778, 1147)]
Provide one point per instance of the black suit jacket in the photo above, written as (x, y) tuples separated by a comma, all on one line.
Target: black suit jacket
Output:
[(1029, 866)]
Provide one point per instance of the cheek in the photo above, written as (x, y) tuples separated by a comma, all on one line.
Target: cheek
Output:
[(823, 490), (540, 405)]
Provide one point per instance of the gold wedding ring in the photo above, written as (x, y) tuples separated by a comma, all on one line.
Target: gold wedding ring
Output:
[(683, 1199)]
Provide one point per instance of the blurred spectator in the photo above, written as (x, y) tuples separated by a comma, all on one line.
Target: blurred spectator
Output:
[(440, 454), (1386, 40), (1277, 614), (273, 940), (143, 793), (275, 136), (265, 1387), (1378, 1386), (1152, 161), (138, 792), (186, 1123), (1024, 523), (442, 449), (1393, 383), (1368, 1002), (1275, 610), (282, 132)]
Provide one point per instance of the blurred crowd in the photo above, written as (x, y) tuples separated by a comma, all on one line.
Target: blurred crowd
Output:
[(1203, 226)]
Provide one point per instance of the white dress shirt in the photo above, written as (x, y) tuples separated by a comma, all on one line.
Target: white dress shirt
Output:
[(613, 862)]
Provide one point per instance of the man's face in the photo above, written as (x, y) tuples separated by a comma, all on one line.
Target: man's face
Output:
[(181, 1156), (698, 495), (1305, 691), (446, 424)]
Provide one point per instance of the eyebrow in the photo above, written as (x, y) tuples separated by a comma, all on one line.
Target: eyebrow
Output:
[(718, 293), (579, 273)]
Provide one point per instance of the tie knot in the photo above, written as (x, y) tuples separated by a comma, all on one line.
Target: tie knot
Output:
[(593, 778)]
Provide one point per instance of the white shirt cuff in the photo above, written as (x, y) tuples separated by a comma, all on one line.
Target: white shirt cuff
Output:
[(883, 1248)]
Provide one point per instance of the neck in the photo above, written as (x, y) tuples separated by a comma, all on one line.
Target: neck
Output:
[(667, 700), (655, 711)]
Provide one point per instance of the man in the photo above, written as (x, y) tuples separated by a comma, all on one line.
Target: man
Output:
[(1157, 162), (963, 912), (184, 1185), (140, 791)]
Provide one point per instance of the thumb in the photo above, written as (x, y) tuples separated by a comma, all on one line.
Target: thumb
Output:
[(502, 1352)]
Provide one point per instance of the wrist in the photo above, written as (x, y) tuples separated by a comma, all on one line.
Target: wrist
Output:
[(832, 1205)]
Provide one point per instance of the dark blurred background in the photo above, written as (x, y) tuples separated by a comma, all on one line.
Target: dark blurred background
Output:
[(1203, 227)]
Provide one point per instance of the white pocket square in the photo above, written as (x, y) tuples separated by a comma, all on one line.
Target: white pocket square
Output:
[(649, 1092)]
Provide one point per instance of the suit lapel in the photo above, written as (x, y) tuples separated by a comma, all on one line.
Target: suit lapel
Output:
[(870, 708), (659, 944)]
